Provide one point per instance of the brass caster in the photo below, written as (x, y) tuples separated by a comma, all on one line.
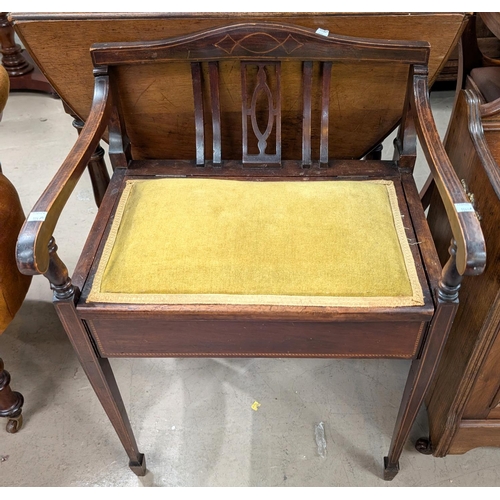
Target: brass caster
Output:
[(14, 424), (424, 446)]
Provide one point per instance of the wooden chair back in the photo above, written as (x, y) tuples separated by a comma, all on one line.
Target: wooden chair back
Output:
[(281, 98), (368, 100)]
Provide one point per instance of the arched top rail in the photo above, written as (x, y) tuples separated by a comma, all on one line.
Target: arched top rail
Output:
[(263, 41)]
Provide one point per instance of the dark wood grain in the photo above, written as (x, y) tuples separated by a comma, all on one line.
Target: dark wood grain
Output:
[(13, 285), (467, 381), (24, 74), (405, 144), (11, 402), (352, 137), (494, 414), (198, 113), (261, 132), (32, 247), (101, 377), (485, 393), (263, 41), (423, 368), (492, 21), (119, 142), (325, 112), (116, 335), (423, 235), (471, 251), (215, 101), (287, 168), (101, 220), (98, 171), (474, 433), (306, 114)]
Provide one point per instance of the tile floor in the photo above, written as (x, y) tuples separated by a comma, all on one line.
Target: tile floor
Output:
[(193, 417)]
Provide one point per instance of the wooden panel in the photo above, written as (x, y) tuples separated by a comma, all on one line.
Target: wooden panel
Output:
[(475, 433), (150, 335), (158, 107), (287, 168), (495, 413), (486, 389), (265, 41), (477, 321), (365, 114)]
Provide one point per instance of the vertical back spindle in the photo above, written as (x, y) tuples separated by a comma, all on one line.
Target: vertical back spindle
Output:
[(306, 113), (325, 104), (198, 113), (213, 68)]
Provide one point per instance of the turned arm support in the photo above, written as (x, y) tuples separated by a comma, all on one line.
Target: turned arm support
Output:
[(471, 247), (32, 251)]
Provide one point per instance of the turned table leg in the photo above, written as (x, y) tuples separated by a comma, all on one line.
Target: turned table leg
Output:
[(11, 403), (24, 74)]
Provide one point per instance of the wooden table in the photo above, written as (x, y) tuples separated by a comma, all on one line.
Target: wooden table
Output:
[(23, 72), (59, 44)]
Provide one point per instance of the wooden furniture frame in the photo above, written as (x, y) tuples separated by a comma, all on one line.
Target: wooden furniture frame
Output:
[(463, 404), (101, 330)]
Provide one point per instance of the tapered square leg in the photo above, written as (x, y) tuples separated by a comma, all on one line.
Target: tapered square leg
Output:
[(390, 470), (138, 468)]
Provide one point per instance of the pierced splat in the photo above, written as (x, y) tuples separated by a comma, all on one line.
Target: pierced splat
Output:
[(251, 109)]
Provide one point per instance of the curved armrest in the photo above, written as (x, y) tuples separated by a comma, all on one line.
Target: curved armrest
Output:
[(471, 247), (32, 250)]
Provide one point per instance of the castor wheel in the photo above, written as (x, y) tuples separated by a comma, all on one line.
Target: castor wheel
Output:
[(424, 446), (14, 424)]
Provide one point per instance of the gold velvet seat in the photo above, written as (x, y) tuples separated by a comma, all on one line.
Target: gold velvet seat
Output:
[(209, 241)]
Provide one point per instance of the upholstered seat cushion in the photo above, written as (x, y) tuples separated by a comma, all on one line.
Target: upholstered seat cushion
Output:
[(326, 243)]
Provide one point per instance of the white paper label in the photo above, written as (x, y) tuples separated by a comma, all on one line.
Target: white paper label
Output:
[(321, 31), (464, 207), (37, 216)]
